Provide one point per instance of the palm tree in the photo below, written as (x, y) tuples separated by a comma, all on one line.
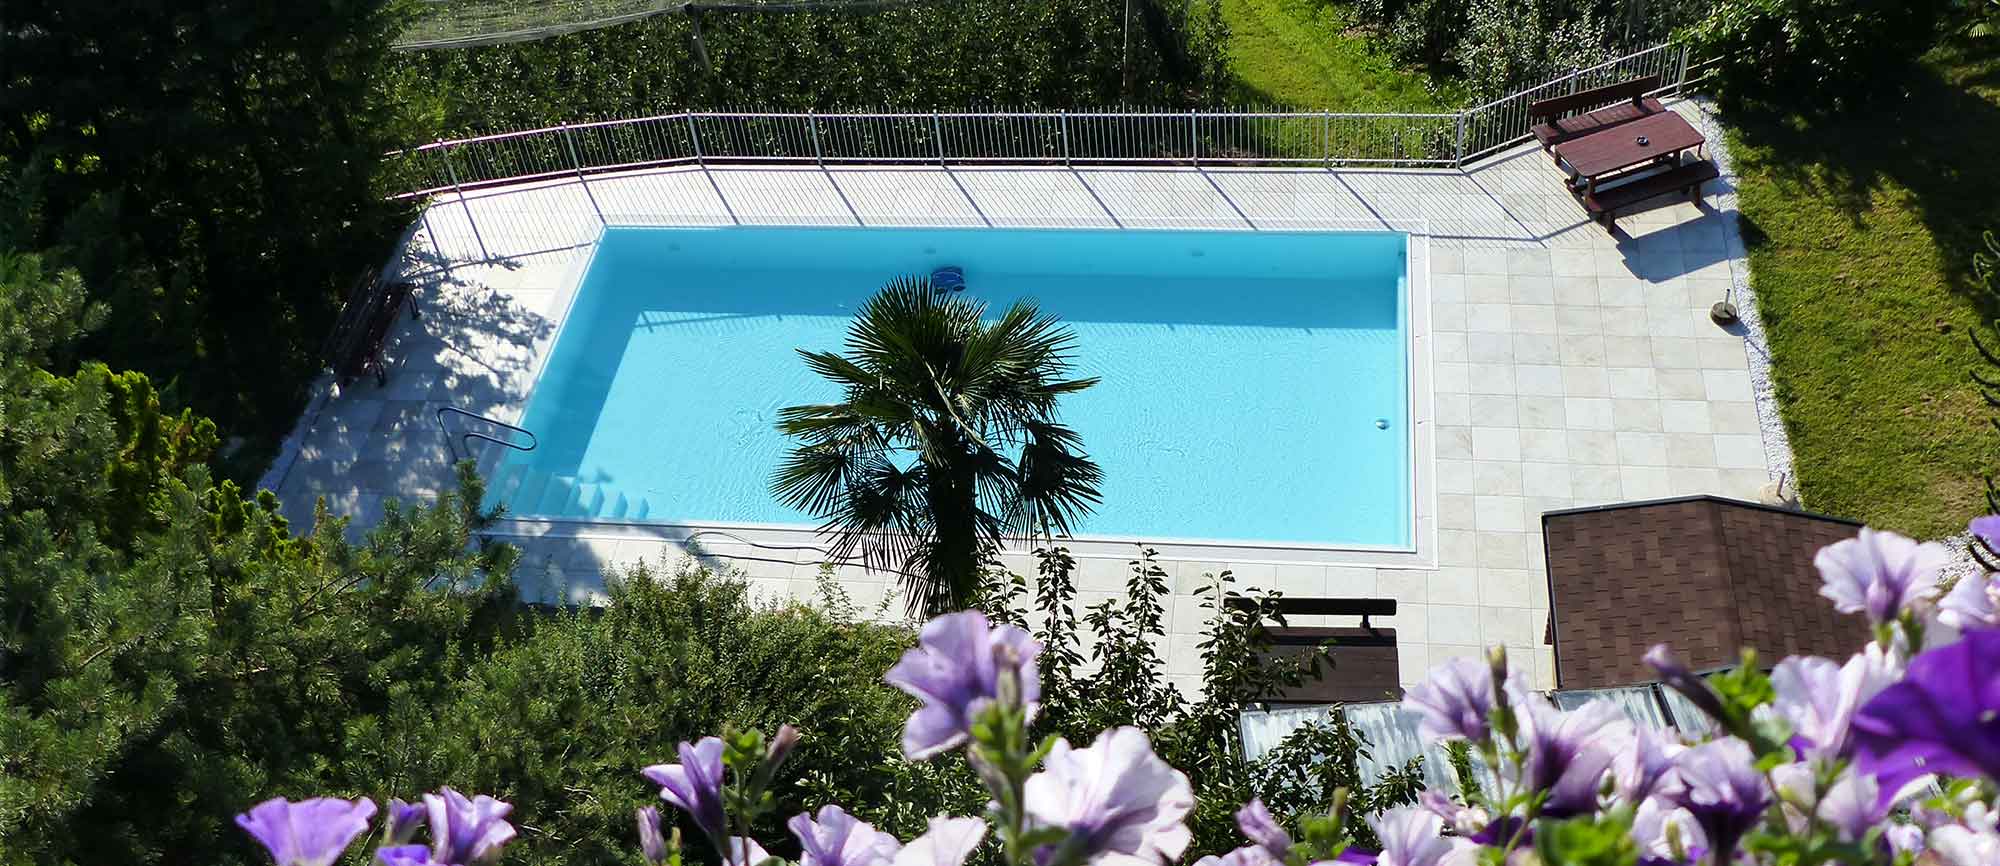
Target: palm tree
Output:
[(945, 440)]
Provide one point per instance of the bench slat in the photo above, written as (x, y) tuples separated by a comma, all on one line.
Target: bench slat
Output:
[(1556, 132), (1606, 202), (1556, 106)]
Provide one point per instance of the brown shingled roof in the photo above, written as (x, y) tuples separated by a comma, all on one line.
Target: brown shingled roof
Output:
[(1704, 574)]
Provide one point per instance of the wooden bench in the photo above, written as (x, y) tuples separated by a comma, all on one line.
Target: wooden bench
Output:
[(1604, 204), (354, 348), (1627, 101)]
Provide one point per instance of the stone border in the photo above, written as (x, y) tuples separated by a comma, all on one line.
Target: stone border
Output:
[(1707, 118)]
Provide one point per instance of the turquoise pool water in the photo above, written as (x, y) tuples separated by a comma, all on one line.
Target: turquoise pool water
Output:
[(1255, 384)]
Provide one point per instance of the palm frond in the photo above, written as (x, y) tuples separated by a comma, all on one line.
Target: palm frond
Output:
[(922, 374), (813, 479), (1058, 483)]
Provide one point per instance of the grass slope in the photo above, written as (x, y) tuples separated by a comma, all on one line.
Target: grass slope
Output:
[(1304, 54), (1861, 234)]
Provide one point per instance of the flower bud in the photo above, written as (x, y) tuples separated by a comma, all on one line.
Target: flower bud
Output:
[(651, 843), (403, 821), (781, 747)]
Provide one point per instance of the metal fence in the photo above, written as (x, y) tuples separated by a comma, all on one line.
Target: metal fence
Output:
[(1505, 121), (1057, 138)]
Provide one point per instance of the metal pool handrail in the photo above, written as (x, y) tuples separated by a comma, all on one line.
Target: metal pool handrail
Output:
[(469, 435)]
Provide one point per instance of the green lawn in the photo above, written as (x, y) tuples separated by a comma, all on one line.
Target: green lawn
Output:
[(1305, 54), (1861, 235)]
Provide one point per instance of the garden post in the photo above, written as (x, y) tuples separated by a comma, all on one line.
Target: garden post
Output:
[(569, 141), (455, 187)]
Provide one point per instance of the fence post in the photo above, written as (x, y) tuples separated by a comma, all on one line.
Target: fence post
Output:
[(694, 137), (1326, 139), (1194, 136), (1460, 148), (1680, 85), (812, 126), (452, 173), (1064, 118), (937, 135), (569, 141)]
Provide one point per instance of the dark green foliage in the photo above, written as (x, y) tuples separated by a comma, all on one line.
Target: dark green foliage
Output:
[(1501, 46), (949, 54), (1591, 840), (1462, 769), (1303, 774), (168, 648), (946, 439), (209, 169), (1816, 56), (560, 720)]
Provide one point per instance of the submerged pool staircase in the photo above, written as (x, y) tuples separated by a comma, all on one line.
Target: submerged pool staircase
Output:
[(533, 493)]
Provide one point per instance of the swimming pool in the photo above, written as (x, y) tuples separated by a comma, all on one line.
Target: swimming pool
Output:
[(1255, 385)]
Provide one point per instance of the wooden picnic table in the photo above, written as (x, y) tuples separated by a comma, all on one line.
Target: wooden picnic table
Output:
[(1610, 151)]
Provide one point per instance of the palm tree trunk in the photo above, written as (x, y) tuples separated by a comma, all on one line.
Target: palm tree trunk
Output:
[(954, 567)]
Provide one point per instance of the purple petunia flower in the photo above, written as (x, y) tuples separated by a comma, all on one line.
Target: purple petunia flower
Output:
[(466, 831), (1120, 803), (1248, 855), (403, 855), (652, 843), (1961, 845), (1851, 806), (744, 851), (1973, 603), (1411, 836), (1460, 818), (955, 671), (1723, 791), (1269, 844), (1645, 765), (307, 833), (1675, 675), (1941, 718), (947, 842), (694, 785), (1820, 697), (1260, 827), (1666, 834), (1987, 529), (1569, 753), (836, 838), (404, 819), (1456, 700), (1880, 573)]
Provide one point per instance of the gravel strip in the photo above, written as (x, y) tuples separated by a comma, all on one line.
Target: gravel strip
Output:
[(1777, 446)]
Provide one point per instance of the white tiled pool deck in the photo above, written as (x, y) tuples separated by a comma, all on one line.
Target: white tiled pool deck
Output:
[(1571, 367)]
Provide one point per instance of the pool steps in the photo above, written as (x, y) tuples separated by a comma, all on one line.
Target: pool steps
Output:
[(531, 492)]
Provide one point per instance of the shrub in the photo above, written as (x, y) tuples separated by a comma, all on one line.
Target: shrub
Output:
[(584, 697), (949, 54), (1812, 56), (1500, 46)]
